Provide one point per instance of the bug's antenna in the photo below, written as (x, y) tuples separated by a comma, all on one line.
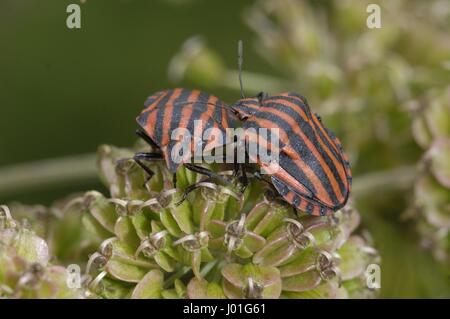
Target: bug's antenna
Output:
[(240, 61)]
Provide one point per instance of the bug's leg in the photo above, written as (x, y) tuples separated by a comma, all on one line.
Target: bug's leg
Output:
[(142, 156), (259, 177), (240, 167), (146, 169), (261, 96), (318, 117), (235, 163), (205, 171), (147, 139), (190, 189), (174, 180), (273, 194), (243, 179), (241, 174), (148, 156)]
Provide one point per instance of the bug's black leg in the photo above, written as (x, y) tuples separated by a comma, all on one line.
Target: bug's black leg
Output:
[(148, 156), (174, 180), (140, 156), (235, 169), (235, 163), (146, 138), (259, 177), (205, 171), (273, 194), (190, 189), (244, 179), (146, 169), (261, 96), (240, 167)]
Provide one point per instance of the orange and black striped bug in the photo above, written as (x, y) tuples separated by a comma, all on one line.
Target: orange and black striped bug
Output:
[(313, 172), (177, 108)]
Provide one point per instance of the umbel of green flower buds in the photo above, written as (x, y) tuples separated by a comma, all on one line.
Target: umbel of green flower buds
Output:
[(218, 243), (431, 129), (25, 267)]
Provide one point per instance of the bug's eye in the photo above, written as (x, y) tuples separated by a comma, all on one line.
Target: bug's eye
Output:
[(242, 116), (261, 96)]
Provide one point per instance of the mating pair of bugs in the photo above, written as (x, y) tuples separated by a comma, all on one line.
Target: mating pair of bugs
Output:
[(313, 172)]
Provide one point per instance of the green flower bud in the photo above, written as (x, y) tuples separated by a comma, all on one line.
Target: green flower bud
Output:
[(218, 242), (196, 63)]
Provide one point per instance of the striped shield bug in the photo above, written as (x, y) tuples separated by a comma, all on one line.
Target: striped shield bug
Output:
[(191, 110), (313, 172)]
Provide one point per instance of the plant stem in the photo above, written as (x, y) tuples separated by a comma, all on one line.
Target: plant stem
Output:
[(397, 178), (48, 173), (73, 170)]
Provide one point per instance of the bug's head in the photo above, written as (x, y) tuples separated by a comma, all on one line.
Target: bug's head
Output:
[(246, 107)]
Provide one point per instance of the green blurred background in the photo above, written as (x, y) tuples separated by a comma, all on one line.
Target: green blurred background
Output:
[(63, 92)]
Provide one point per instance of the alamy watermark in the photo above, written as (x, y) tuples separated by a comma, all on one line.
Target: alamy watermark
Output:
[(73, 20), (73, 279), (373, 276), (249, 145), (374, 18)]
